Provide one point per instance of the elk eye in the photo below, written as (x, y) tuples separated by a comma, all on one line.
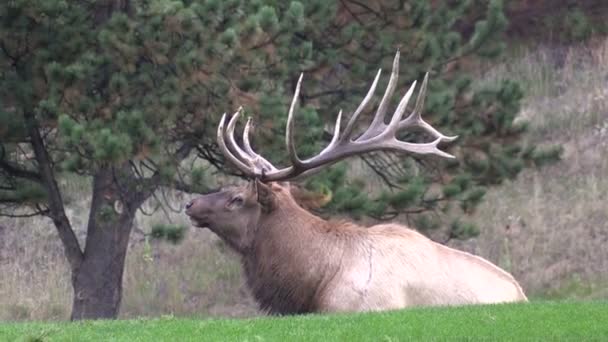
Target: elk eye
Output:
[(236, 201)]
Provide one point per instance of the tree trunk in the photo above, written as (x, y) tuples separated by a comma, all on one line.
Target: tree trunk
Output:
[(97, 282)]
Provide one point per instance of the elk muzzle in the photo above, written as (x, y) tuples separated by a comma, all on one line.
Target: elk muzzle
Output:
[(197, 210)]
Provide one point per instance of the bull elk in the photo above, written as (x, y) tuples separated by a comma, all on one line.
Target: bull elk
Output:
[(296, 262)]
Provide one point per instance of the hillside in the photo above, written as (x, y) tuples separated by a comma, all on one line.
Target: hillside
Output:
[(550, 226)]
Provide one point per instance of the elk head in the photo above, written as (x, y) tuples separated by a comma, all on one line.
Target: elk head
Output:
[(232, 213)]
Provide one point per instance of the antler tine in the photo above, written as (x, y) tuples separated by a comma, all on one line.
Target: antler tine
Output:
[(245, 157), (378, 124), (419, 148), (393, 126), (246, 143), (289, 140), (249, 149), (415, 118), (226, 152), (417, 113), (336, 136), (351, 123)]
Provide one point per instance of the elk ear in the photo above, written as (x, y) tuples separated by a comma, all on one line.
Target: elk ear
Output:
[(265, 195), (310, 200)]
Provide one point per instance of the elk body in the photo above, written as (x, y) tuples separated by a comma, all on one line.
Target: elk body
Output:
[(296, 262)]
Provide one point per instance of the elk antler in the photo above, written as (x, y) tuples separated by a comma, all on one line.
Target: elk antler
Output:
[(378, 136)]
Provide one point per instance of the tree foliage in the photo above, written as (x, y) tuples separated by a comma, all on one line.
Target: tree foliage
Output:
[(124, 92)]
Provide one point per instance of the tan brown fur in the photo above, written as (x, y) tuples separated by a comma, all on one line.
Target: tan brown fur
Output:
[(296, 262)]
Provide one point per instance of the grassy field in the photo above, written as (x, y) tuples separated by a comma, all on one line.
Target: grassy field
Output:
[(574, 321)]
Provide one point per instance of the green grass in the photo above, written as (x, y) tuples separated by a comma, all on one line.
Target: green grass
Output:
[(544, 321)]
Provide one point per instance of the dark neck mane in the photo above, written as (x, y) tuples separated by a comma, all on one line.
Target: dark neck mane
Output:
[(291, 256)]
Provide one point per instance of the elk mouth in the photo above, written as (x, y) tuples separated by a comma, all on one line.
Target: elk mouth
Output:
[(201, 222), (195, 216)]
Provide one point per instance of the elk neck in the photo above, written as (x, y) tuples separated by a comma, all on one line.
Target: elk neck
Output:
[(293, 255), (290, 225)]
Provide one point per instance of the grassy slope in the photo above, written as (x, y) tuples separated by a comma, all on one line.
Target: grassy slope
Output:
[(537, 321)]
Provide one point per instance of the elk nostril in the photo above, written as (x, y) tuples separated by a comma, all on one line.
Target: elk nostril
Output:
[(189, 204)]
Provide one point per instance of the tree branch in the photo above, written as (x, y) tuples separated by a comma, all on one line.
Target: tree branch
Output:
[(379, 173), (7, 54), (71, 246), (32, 214), (183, 186), (369, 9), (16, 171), (353, 15), (151, 184)]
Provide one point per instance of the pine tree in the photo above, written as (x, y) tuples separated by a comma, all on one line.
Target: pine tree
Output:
[(340, 53), (123, 91)]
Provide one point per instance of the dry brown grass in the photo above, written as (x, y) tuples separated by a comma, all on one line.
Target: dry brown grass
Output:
[(33, 282), (198, 277), (548, 227)]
